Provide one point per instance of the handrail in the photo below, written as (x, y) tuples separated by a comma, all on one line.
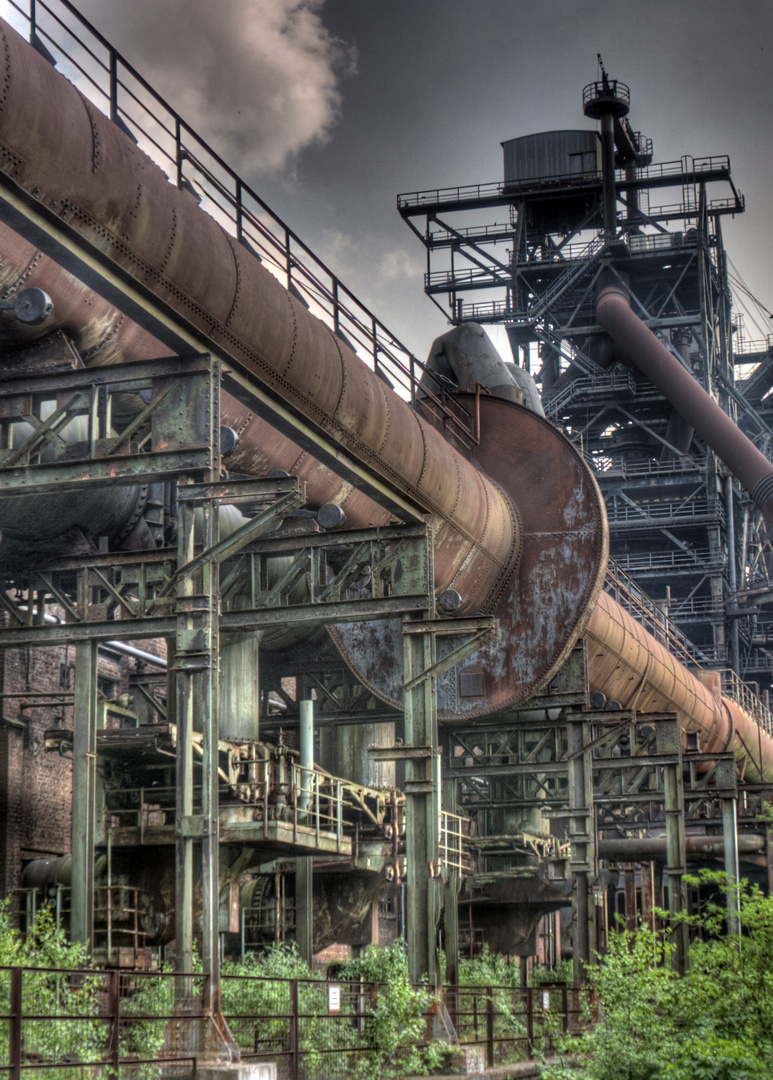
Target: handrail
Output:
[(742, 694), (651, 615), (681, 170), (118, 90)]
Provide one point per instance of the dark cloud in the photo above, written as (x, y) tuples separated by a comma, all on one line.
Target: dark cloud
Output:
[(260, 79)]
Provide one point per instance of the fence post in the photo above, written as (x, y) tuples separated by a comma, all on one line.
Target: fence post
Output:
[(293, 1029), (113, 85), (565, 1007), (530, 1021), (14, 1034), (114, 1007), (489, 1027)]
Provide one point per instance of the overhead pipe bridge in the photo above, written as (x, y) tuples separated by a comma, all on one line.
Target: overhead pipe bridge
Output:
[(519, 525)]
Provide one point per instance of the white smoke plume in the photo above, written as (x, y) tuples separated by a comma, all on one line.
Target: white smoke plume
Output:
[(258, 78)]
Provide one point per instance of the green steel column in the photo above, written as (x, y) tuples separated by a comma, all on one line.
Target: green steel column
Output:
[(206, 713), (304, 908), (422, 808), (676, 859), (452, 883), (184, 910), (184, 717), (669, 742), (730, 836), (304, 867), (582, 836), (84, 768)]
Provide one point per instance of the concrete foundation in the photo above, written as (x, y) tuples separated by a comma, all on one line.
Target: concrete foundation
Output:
[(263, 1070)]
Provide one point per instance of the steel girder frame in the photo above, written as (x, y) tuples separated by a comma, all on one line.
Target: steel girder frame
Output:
[(181, 603)]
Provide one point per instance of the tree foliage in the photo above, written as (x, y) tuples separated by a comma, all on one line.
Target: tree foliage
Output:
[(713, 1023)]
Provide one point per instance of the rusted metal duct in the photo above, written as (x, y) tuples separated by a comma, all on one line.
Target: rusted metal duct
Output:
[(520, 531), (640, 346), (72, 161), (628, 665), (559, 546), (645, 848)]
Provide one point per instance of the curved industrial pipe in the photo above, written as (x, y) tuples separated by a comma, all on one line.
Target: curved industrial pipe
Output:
[(653, 359), (109, 190), (628, 665), (538, 566), (646, 848), (114, 195)]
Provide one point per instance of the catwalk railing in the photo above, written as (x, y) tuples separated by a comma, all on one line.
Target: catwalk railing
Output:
[(139, 1024), (79, 51), (668, 173)]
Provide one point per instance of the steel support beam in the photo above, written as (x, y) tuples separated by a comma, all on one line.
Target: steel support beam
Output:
[(84, 772), (668, 742), (582, 836), (730, 838), (631, 906), (676, 863), (422, 810), (304, 908), (452, 883)]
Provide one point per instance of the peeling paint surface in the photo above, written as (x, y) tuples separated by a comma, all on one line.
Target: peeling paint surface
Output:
[(549, 595)]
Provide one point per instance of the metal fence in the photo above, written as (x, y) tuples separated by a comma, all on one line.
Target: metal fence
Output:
[(68, 1024)]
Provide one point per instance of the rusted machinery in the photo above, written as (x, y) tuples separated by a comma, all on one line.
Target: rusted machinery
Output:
[(519, 526)]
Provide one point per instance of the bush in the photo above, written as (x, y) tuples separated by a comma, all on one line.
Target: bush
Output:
[(397, 1022), (503, 976), (713, 1023), (51, 993)]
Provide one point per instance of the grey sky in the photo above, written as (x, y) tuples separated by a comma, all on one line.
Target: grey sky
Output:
[(332, 107)]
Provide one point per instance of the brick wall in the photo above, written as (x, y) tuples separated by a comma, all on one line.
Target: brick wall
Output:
[(36, 785)]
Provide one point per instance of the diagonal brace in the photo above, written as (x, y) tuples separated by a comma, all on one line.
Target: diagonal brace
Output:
[(483, 629), (251, 530), (52, 425)]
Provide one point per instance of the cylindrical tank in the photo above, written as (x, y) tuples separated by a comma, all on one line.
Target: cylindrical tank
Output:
[(51, 523), (551, 153)]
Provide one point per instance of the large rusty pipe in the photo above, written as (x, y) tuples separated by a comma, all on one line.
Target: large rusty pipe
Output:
[(628, 665), (72, 159), (69, 157), (646, 848), (65, 158), (653, 359)]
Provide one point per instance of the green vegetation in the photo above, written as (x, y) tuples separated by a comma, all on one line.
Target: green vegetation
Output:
[(382, 1035), (49, 994), (713, 1023)]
